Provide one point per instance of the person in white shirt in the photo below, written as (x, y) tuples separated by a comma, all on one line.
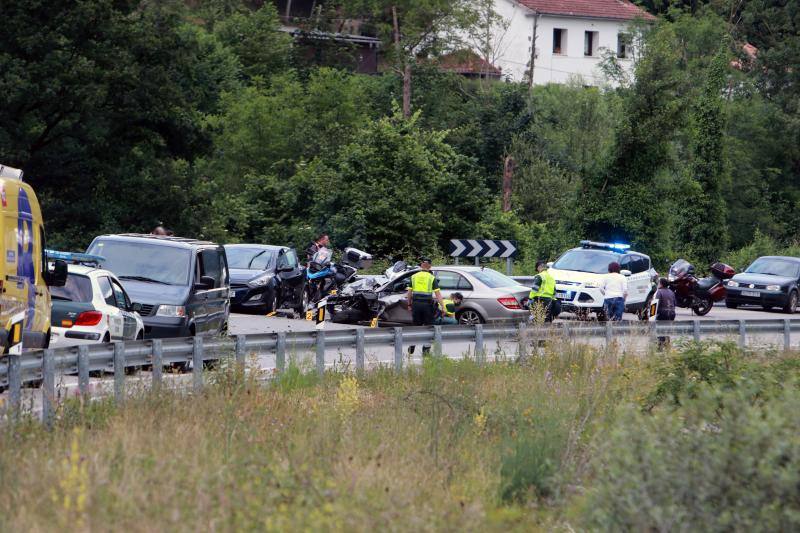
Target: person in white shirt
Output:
[(615, 291)]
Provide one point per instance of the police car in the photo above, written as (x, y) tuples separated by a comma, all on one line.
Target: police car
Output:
[(92, 307), (579, 271)]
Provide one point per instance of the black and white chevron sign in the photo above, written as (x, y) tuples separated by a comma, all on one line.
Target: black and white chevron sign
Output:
[(482, 248)]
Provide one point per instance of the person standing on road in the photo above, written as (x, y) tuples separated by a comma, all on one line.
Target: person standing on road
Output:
[(322, 241), (615, 291), (543, 292), (424, 287), (666, 308)]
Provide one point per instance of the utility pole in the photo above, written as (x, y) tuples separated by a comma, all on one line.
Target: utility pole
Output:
[(508, 182), (533, 49)]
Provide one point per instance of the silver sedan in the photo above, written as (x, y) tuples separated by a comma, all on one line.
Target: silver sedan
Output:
[(488, 295)]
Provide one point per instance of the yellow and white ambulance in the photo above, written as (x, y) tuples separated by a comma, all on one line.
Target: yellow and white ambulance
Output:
[(25, 274)]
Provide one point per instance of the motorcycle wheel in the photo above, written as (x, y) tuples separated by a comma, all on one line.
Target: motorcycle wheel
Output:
[(703, 308)]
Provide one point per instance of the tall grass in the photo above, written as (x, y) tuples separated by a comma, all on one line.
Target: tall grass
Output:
[(446, 446)]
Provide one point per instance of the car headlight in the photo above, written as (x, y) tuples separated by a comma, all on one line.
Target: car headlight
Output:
[(732, 283), (171, 310), (260, 281), (773, 287)]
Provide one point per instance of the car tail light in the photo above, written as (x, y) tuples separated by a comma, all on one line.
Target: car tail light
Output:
[(509, 302), (66, 323), (89, 318)]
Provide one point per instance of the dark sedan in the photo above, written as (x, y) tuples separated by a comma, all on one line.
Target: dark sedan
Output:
[(771, 281), (264, 278)]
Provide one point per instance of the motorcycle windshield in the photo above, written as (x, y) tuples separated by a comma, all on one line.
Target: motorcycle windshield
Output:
[(679, 268), (322, 257)]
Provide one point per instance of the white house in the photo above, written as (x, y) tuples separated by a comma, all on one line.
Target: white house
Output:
[(571, 38)]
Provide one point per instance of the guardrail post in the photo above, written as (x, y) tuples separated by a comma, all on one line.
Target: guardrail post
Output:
[(240, 348), (280, 352), (14, 383), (197, 363), (742, 334), (696, 330), (522, 351), (787, 334), (609, 335), (48, 387), (480, 354), (437, 340), (360, 349), (398, 349), (158, 363), (321, 352), (119, 371), (653, 330), (83, 370)]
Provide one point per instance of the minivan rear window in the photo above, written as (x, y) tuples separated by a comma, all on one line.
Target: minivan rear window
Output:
[(77, 289), (144, 262)]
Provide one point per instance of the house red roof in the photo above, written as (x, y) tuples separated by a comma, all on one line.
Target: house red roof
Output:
[(605, 9)]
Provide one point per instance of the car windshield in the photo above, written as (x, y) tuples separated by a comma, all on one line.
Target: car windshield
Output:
[(144, 262), (586, 260), (77, 289), (493, 279), (251, 258), (774, 267)]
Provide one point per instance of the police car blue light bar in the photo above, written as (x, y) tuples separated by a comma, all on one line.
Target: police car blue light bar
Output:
[(606, 245), (74, 257)]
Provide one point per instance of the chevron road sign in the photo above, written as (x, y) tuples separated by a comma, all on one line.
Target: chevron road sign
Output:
[(482, 248)]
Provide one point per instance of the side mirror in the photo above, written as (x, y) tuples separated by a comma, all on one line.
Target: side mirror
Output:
[(206, 283), (625, 272), (57, 277), (136, 307), (284, 268), (549, 264)]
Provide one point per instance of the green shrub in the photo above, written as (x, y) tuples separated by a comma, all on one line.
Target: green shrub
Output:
[(761, 245), (701, 468), (722, 364)]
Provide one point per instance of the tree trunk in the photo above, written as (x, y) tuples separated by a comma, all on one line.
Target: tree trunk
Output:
[(407, 91), (508, 182), (406, 70)]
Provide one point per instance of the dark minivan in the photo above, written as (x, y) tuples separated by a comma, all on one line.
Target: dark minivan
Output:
[(179, 286)]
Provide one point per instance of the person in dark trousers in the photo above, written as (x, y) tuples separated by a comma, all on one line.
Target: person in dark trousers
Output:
[(421, 293), (322, 241), (666, 308), (541, 299), (614, 287)]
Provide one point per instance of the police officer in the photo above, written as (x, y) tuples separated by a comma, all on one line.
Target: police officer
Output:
[(542, 293), (424, 287), (447, 313)]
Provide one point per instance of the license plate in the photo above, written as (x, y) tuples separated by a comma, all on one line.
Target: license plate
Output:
[(563, 295), (752, 294)]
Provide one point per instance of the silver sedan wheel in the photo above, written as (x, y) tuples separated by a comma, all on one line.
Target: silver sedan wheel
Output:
[(469, 318)]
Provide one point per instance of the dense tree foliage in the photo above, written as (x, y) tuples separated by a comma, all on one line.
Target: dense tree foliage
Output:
[(203, 115)]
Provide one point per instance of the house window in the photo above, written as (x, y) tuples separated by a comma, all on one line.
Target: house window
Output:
[(590, 40), (560, 41), (623, 45)]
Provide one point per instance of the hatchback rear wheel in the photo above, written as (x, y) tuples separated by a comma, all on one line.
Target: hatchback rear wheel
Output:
[(791, 303)]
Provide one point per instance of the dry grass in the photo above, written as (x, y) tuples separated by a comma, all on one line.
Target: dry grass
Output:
[(444, 447)]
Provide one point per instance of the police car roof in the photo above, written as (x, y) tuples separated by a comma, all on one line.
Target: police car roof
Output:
[(182, 242), (81, 270)]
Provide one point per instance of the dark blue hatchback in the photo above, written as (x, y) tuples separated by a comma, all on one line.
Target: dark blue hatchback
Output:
[(770, 281), (264, 278)]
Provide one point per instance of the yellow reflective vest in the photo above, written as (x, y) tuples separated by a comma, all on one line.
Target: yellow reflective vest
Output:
[(449, 308), (422, 284), (547, 288)]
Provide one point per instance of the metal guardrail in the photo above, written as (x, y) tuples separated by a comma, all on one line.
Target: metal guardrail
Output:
[(44, 365)]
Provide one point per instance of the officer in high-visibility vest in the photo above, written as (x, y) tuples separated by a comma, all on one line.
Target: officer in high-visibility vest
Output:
[(542, 294), (424, 288), (447, 313)]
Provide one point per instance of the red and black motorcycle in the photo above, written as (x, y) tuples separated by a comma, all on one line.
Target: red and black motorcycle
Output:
[(699, 295)]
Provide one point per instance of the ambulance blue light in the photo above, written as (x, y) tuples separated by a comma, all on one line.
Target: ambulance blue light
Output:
[(74, 257)]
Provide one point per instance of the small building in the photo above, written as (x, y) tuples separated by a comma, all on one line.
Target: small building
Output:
[(571, 38), (468, 64)]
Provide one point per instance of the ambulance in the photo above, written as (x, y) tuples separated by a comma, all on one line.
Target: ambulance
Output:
[(25, 275)]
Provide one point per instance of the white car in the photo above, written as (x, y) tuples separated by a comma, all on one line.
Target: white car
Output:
[(92, 308), (578, 273)]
